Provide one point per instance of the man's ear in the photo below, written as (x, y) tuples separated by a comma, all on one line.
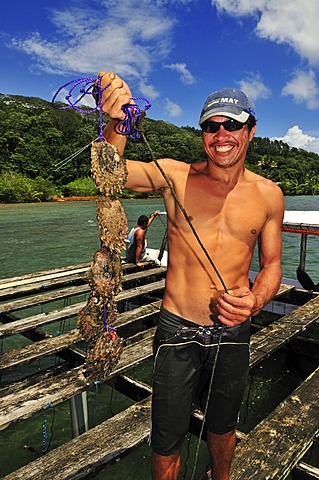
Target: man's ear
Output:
[(252, 133)]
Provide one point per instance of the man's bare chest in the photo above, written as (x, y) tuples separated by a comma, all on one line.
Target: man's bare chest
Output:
[(213, 209)]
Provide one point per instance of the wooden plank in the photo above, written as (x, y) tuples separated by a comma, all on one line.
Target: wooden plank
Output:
[(55, 344), (273, 448), (25, 403), (46, 297), (309, 471), (42, 298), (86, 454), (21, 290), (283, 289), (42, 348), (28, 401), (140, 291), (37, 282), (42, 278), (141, 275), (269, 339), (30, 276), (19, 385), (131, 317), (22, 325)]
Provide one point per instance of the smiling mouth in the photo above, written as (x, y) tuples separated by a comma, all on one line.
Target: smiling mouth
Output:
[(223, 148)]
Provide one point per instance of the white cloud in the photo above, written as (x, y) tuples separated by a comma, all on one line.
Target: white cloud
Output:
[(296, 138), (304, 89), (172, 108), (185, 76), (124, 39), (149, 91), (254, 87), (283, 21), (170, 2)]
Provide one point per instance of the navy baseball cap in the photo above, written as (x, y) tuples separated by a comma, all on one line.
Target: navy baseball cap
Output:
[(228, 102)]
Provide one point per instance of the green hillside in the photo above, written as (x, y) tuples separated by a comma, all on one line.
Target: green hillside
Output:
[(35, 138)]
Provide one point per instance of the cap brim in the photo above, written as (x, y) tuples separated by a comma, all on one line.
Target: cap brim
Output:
[(240, 117)]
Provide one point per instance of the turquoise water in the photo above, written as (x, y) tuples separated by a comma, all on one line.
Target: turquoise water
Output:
[(42, 236)]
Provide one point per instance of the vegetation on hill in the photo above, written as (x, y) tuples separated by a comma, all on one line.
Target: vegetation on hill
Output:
[(38, 143)]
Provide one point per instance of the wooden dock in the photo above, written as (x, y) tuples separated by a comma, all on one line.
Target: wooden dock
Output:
[(33, 305)]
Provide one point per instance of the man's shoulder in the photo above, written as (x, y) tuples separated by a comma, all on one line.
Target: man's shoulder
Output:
[(256, 178), (266, 187), (174, 168)]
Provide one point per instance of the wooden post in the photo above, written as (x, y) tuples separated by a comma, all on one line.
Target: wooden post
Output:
[(79, 414)]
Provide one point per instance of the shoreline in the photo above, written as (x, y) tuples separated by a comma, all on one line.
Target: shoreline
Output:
[(73, 198), (76, 198)]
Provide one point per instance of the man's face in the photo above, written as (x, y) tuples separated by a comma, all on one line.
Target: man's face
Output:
[(225, 149)]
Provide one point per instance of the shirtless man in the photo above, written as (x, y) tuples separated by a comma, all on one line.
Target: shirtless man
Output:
[(136, 241), (230, 208)]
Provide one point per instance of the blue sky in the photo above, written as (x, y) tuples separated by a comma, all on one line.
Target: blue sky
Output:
[(175, 53)]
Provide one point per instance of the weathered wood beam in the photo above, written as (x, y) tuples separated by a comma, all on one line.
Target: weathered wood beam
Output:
[(53, 344), (19, 291), (275, 446), (308, 471), (23, 324), (27, 402), (130, 387), (34, 321), (87, 454), (40, 349), (271, 338), (46, 297), (41, 298), (25, 279), (62, 277), (283, 289)]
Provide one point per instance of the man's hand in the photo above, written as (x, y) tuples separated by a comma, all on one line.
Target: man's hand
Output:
[(236, 306), (115, 95)]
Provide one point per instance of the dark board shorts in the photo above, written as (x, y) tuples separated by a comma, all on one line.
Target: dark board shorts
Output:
[(184, 356)]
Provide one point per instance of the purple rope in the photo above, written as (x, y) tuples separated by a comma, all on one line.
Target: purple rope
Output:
[(129, 126), (105, 325)]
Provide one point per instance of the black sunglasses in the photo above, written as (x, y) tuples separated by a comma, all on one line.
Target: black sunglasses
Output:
[(230, 125)]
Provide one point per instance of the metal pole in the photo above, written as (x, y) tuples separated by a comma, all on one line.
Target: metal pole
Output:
[(303, 249), (79, 414)]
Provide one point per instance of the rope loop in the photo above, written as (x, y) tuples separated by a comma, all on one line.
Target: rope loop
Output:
[(89, 86), (133, 118)]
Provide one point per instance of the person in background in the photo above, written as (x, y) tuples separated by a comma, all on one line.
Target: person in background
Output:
[(203, 317), (136, 241)]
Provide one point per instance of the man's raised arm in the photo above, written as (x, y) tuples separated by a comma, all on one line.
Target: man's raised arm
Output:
[(114, 97), (142, 176)]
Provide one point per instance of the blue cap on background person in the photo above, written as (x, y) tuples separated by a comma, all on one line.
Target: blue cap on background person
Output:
[(228, 102)]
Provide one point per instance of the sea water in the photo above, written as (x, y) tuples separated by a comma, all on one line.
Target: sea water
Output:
[(42, 236)]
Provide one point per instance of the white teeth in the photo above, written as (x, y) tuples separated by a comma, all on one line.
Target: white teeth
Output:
[(223, 148)]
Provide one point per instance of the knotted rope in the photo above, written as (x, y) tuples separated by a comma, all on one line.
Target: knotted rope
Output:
[(89, 86)]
